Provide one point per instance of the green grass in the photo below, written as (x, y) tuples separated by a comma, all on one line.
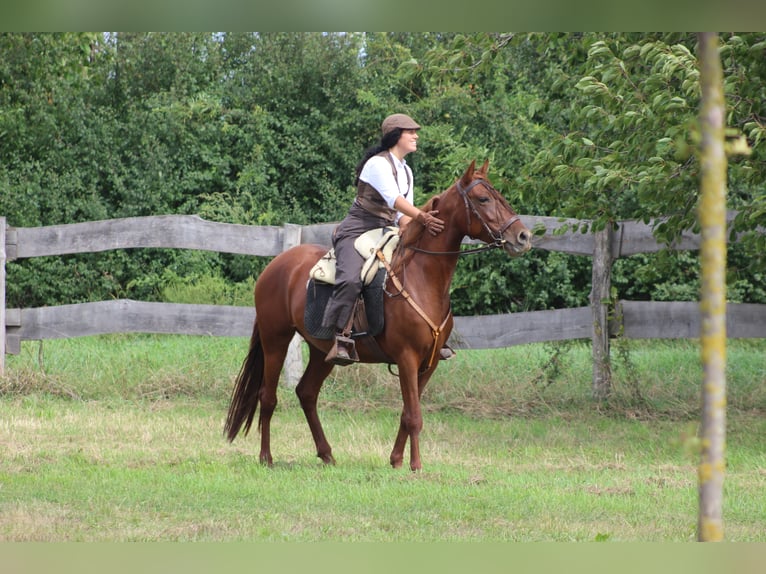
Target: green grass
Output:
[(120, 438)]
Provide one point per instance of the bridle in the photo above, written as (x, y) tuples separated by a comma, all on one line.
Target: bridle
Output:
[(497, 238), (497, 241)]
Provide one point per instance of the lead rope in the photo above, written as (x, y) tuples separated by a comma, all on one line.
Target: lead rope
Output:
[(435, 331)]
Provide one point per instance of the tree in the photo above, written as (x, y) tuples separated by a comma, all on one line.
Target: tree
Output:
[(712, 216)]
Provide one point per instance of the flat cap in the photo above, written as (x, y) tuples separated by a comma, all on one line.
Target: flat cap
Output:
[(402, 121)]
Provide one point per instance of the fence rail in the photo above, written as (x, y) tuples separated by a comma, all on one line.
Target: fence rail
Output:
[(639, 320), (630, 319)]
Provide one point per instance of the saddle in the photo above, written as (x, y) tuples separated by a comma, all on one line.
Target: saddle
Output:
[(384, 239), (369, 312)]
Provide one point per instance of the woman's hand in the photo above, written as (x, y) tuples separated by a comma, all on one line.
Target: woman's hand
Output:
[(433, 224)]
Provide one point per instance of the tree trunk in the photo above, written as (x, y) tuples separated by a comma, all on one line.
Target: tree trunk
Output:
[(712, 217)]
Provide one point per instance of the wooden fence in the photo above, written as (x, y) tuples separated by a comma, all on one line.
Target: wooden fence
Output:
[(598, 322)]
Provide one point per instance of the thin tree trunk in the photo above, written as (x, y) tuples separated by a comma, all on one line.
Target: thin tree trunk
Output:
[(712, 217)]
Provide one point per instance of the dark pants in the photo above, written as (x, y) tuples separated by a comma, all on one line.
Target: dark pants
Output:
[(348, 270)]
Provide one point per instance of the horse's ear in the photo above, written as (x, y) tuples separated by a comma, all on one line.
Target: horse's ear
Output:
[(468, 175), (485, 167)]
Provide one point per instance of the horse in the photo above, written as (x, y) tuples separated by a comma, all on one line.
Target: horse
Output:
[(417, 315)]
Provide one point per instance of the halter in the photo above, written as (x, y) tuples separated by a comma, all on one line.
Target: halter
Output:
[(497, 238)]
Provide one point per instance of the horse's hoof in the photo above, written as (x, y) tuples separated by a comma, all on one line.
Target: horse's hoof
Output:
[(327, 459)]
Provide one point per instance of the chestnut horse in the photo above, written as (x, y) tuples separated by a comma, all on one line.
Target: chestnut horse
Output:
[(417, 315)]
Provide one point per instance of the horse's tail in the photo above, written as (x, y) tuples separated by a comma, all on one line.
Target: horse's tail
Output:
[(244, 398)]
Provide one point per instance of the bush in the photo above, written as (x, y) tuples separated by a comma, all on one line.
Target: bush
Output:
[(208, 290)]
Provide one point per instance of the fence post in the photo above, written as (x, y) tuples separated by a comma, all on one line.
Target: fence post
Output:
[(294, 360), (599, 299), (2, 296)]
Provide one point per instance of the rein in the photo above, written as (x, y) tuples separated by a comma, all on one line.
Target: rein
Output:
[(471, 251), (470, 207)]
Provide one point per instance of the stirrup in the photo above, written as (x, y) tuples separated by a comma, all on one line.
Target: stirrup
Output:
[(343, 351)]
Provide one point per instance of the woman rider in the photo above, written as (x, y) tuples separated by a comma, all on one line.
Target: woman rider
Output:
[(384, 197)]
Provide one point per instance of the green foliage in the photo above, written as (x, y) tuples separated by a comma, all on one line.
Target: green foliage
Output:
[(628, 149), (663, 276), (625, 154), (207, 290), (267, 128), (494, 283)]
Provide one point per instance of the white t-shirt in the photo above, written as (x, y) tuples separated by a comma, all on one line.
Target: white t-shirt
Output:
[(377, 172)]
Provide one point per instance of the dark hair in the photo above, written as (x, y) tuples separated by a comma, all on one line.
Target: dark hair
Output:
[(386, 142)]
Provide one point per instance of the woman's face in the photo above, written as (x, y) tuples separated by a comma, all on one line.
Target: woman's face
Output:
[(408, 142)]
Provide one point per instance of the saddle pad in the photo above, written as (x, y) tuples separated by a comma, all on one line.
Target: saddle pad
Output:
[(384, 238), (318, 294)]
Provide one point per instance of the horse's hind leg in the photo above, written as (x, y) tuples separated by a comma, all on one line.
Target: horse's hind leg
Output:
[(274, 352), (308, 391)]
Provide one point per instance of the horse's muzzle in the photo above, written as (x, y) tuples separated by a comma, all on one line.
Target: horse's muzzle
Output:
[(517, 241)]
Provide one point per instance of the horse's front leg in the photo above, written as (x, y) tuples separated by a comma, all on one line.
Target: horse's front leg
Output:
[(411, 421), (397, 453)]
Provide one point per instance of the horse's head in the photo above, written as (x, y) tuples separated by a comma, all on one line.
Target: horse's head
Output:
[(489, 217)]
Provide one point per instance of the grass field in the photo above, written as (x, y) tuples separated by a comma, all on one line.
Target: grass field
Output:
[(119, 438)]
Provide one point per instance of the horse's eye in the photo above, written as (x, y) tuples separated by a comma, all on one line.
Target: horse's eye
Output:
[(483, 199)]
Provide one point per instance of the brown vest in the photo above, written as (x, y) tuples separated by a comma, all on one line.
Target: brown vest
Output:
[(368, 198)]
